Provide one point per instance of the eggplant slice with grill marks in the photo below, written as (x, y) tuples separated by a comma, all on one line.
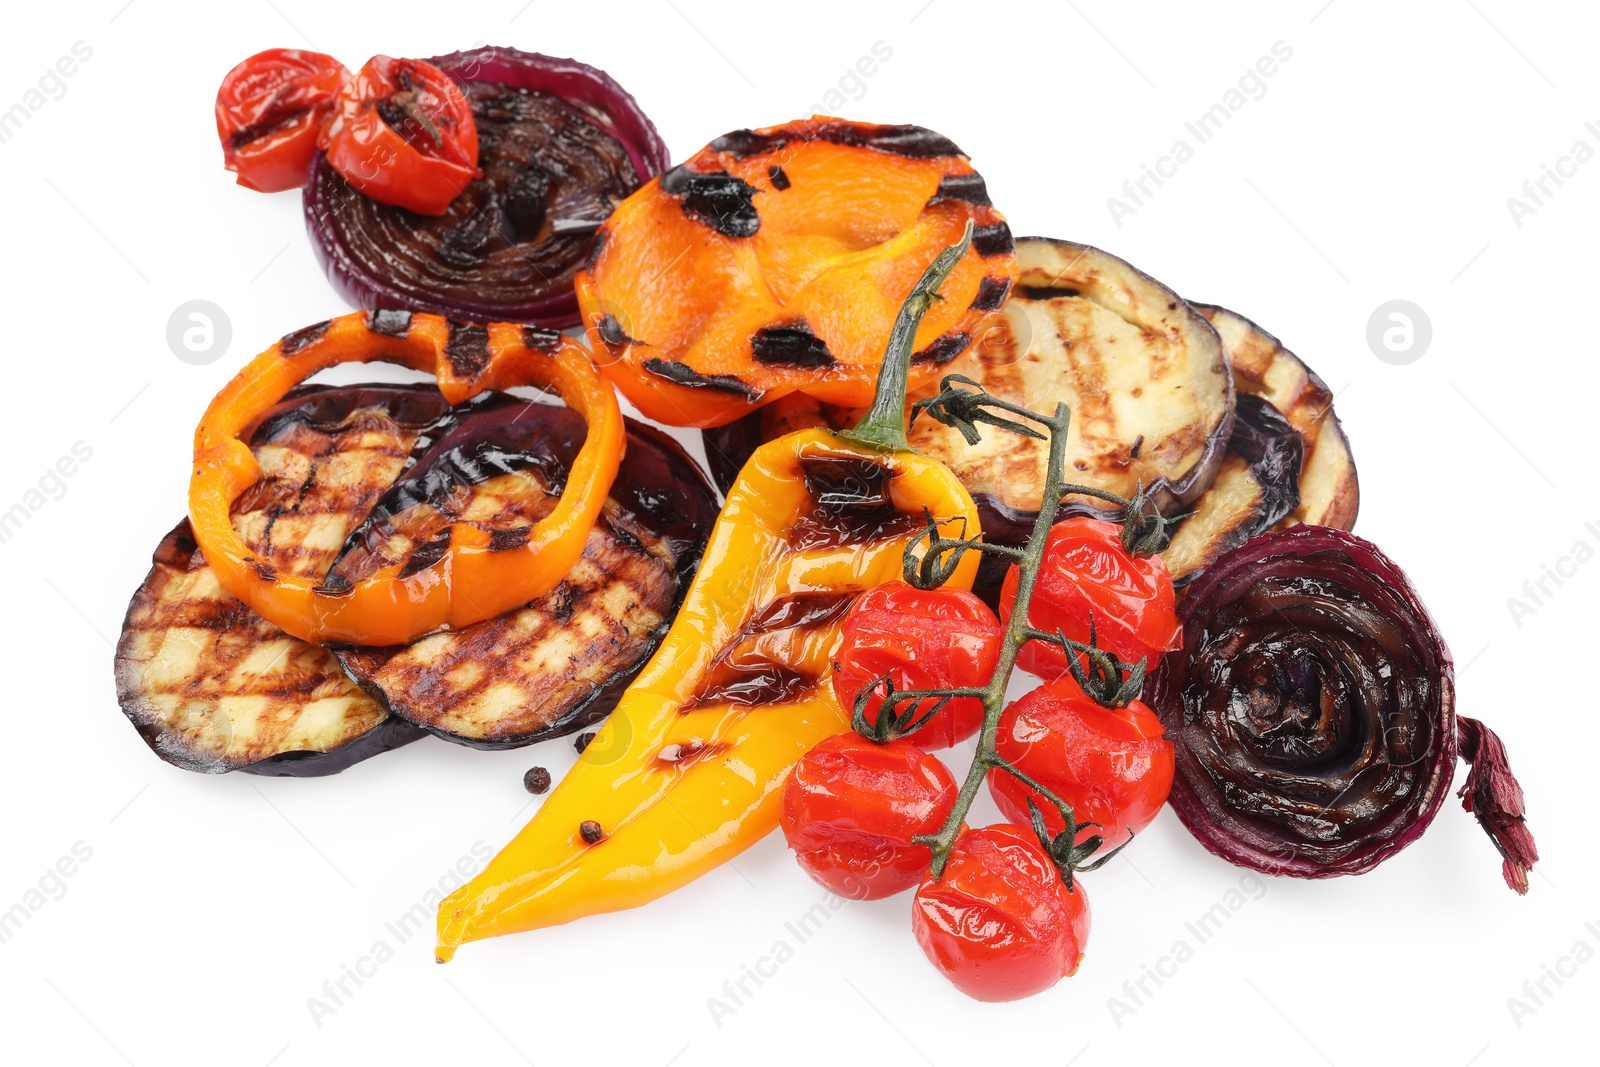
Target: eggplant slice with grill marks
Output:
[(561, 662), (209, 684)]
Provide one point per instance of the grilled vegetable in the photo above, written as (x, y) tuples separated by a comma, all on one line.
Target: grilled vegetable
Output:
[(1257, 486), (211, 686), (462, 575), (688, 771), (773, 261), (1329, 494), (560, 144), (561, 662)]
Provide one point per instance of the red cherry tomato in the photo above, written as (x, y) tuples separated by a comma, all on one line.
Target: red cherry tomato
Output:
[(1086, 569), (922, 639), (850, 808), (270, 109), (404, 134), (1000, 923), (1113, 765)]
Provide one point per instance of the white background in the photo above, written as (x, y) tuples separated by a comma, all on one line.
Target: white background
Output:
[(1376, 166)]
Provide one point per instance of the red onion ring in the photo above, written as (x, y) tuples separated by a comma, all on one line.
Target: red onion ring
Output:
[(604, 102)]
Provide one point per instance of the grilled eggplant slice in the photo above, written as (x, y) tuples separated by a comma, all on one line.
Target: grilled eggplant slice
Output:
[(561, 662), (211, 686), (1329, 492)]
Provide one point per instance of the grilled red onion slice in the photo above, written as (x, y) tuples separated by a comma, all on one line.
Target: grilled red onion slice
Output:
[(1313, 711), (555, 163)]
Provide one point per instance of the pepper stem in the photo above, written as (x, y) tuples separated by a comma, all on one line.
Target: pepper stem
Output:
[(885, 423)]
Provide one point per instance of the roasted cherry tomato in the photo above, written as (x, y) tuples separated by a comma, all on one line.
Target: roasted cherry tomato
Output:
[(921, 639), (403, 134), (270, 110), (1112, 765), (850, 808), (1000, 923), (1086, 569)]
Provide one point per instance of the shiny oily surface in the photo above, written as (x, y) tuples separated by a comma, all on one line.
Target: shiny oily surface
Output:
[(1311, 707)]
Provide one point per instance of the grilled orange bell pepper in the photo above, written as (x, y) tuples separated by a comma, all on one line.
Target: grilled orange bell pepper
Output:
[(688, 770), (773, 261), (473, 579)]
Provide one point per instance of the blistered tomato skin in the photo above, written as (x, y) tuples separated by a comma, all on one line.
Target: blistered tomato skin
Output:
[(1112, 765), (1000, 923), (1086, 572), (851, 807), (922, 639), (270, 109)]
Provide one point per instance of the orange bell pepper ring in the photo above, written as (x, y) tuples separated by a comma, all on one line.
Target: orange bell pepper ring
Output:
[(473, 579), (774, 261)]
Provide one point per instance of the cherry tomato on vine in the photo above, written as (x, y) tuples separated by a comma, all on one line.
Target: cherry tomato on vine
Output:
[(921, 639), (270, 110), (1000, 922), (1112, 765), (1086, 569), (403, 134), (850, 808)]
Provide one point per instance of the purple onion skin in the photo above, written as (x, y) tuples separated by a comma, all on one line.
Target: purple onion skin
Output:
[(564, 78), (1347, 776)]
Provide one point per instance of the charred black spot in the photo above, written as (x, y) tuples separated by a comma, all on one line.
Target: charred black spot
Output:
[(595, 250), (1137, 447), (720, 200), (780, 180), (389, 323), (993, 240), (335, 585), (752, 685), (612, 333), (264, 570), (627, 538), (540, 339), (506, 540), (992, 294), (790, 346), (467, 348), (944, 348), (293, 343), (799, 610), (968, 188), (427, 554), (850, 504), (683, 374), (913, 142), (1045, 292)]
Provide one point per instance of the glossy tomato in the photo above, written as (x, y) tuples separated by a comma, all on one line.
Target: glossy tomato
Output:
[(921, 639), (403, 134), (850, 808), (270, 109), (1112, 765), (1086, 570), (1001, 923)]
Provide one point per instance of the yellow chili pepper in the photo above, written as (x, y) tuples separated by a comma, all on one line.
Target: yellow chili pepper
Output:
[(688, 771)]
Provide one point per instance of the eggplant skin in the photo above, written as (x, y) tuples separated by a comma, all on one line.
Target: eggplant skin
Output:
[(1330, 493), (562, 662), (213, 687)]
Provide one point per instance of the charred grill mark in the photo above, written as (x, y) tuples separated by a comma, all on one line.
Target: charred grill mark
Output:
[(993, 240), (612, 333), (790, 346), (967, 188), (992, 293), (264, 570), (294, 343), (912, 142), (507, 540), (685, 375), (389, 323), (944, 348), (720, 200), (799, 609), (467, 348), (427, 554), (746, 681), (780, 180), (850, 504), (541, 340), (750, 685), (1046, 292)]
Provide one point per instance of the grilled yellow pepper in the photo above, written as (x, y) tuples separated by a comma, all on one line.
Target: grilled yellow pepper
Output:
[(687, 771)]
